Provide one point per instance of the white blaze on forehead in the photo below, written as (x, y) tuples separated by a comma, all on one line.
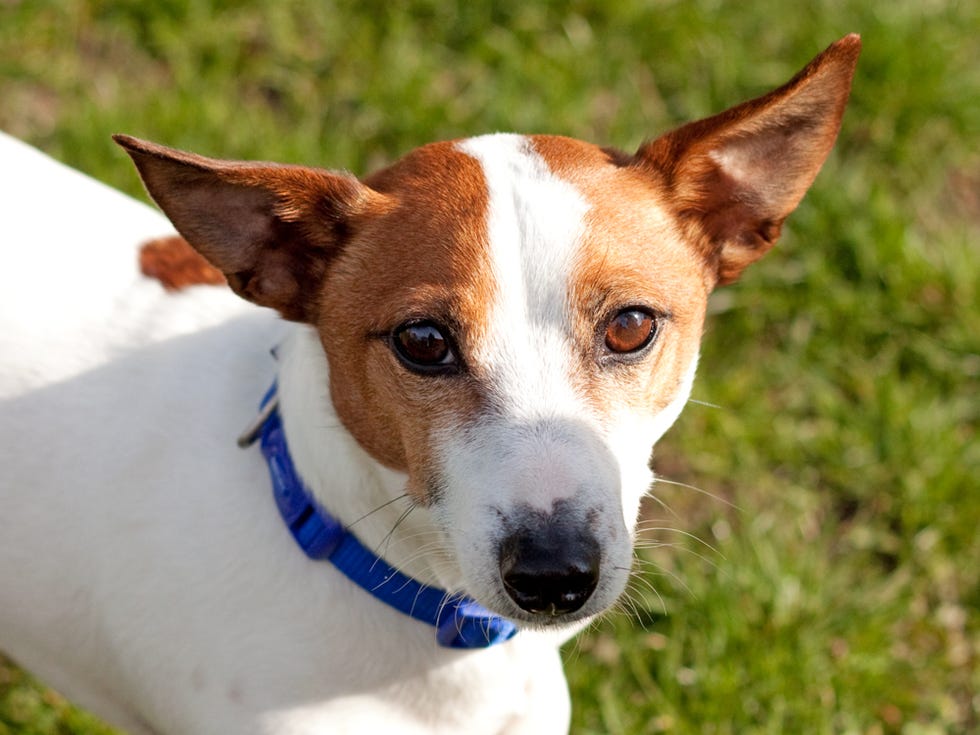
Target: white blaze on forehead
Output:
[(535, 223)]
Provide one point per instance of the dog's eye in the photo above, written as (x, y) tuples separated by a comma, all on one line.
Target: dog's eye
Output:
[(630, 331), (422, 346)]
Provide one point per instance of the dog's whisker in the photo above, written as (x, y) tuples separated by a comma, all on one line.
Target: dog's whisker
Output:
[(380, 507), (660, 502), (651, 568), (420, 553), (442, 604), (637, 578), (628, 606), (665, 545), (650, 523), (574, 650), (416, 599), (704, 403), (654, 544), (428, 536), (627, 601), (682, 532), (449, 596), (640, 606), (704, 492), (405, 584), (386, 541)]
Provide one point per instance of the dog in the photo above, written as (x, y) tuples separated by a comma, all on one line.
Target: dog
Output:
[(474, 351)]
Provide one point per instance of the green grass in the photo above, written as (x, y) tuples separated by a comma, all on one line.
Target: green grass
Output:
[(831, 579)]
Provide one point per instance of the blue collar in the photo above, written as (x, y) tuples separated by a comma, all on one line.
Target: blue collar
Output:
[(460, 622)]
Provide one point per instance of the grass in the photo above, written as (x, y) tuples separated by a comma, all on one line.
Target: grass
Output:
[(826, 577)]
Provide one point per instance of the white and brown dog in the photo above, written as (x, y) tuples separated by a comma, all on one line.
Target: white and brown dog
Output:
[(483, 342)]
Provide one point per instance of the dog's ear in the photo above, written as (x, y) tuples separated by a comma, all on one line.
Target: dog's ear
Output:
[(736, 176), (271, 229)]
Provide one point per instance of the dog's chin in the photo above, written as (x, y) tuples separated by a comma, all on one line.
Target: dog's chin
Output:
[(553, 623)]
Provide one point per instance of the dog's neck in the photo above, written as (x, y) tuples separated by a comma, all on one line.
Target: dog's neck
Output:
[(364, 495)]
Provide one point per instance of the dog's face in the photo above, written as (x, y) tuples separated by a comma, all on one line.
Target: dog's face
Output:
[(513, 321), (526, 353)]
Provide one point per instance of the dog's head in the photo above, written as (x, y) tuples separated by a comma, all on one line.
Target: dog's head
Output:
[(513, 321)]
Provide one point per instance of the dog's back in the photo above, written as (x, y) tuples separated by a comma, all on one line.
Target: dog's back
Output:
[(71, 295)]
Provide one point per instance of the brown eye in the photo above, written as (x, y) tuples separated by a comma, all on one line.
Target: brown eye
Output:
[(423, 346), (630, 331)]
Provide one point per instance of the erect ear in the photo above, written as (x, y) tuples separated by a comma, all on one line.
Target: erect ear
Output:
[(736, 176), (271, 229)]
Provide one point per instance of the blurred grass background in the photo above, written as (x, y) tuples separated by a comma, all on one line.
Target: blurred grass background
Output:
[(822, 574)]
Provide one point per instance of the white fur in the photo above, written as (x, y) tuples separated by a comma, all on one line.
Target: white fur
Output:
[(535, 224), (143, 567)]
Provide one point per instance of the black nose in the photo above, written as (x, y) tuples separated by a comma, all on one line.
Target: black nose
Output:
[(549, 571)]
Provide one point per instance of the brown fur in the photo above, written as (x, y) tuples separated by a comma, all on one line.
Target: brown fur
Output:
[(173, 262), (735, 177), (425, 256)]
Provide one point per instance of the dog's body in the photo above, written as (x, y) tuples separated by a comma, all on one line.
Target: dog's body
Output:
[(510, 323)]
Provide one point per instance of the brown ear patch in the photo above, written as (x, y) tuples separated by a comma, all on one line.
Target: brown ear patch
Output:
[(271, 229), (173, 262), (735, 177)]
